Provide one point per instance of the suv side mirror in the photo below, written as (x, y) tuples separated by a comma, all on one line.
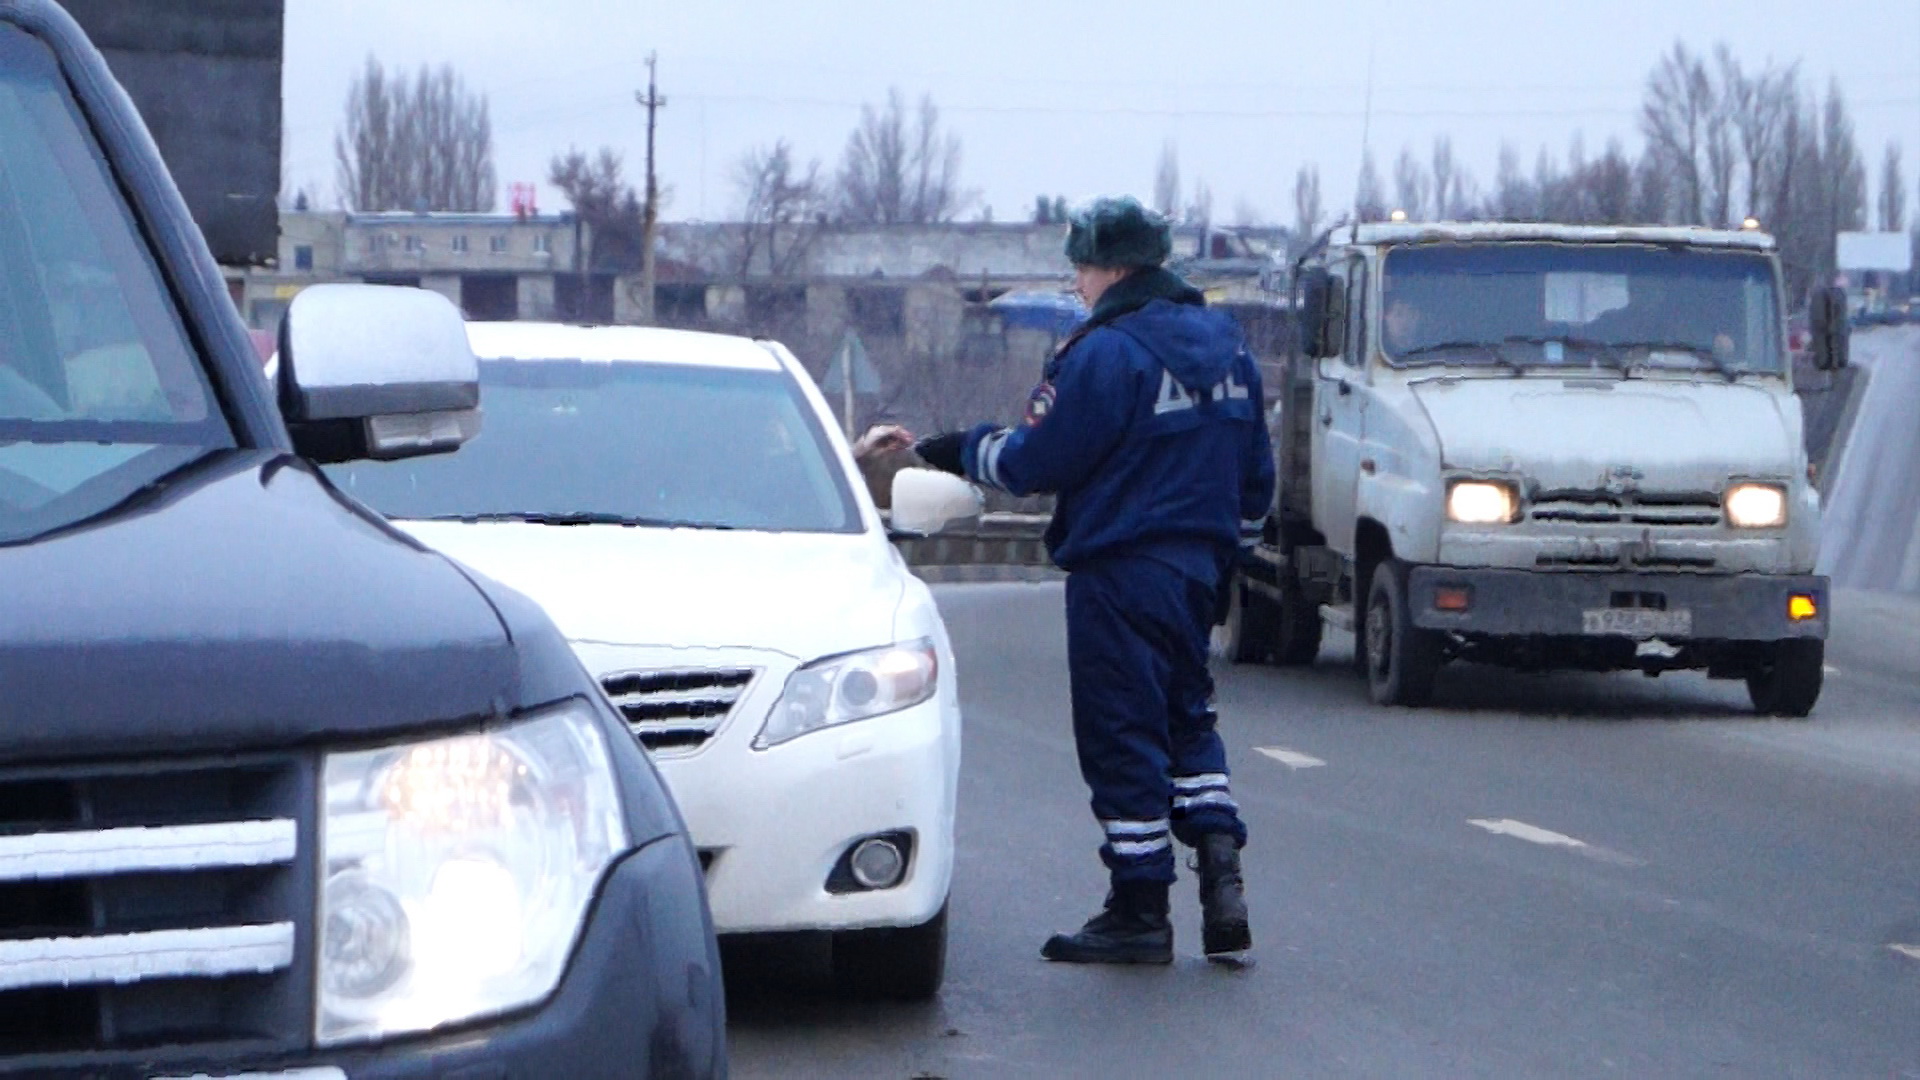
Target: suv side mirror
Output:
[(927, 501), (1323, 313), (1831, 331), (376, 371)]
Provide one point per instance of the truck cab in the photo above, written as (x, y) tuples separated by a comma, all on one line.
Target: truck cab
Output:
[(1543, 446)]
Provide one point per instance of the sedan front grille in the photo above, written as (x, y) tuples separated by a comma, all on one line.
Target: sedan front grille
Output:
[(677, 709), (154, 905)]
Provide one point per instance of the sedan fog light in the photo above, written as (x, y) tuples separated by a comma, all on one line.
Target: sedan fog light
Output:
[(1756, 506), (1480, 502), (877, 864)]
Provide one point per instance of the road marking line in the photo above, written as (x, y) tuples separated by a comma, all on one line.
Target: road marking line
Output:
[(1292, 759), (1534, 834), (1911, 952), (1520, 830), (1831, 670)]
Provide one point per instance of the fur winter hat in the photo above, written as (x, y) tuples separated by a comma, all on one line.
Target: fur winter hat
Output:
[(1118, 232)]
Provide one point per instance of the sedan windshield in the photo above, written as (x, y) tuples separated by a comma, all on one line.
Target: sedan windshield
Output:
[(100, 392), (1629, 307), (566, 442)]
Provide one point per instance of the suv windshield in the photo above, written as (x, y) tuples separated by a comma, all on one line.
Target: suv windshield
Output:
[(100, 393), (567, 442), (1557, 305)]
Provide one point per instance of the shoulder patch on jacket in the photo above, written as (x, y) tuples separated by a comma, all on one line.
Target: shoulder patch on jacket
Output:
[(1039, 404)]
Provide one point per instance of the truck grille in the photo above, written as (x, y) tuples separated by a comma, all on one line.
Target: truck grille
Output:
[(152, 906), (1598, 509), (677, 709)]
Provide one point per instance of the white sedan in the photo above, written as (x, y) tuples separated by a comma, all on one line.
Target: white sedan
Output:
[(685, 508)]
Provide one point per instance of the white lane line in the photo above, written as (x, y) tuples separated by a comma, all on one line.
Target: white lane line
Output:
[(1534, 834), (1520, 830), (1831, 670), (1911, 952), (1292, 759)]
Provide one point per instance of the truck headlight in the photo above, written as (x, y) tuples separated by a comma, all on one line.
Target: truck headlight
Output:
[(1480, 502), (857, 686), (1756, 506), (457, 872)]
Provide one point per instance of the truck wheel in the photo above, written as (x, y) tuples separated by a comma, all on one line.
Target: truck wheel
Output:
[(1247, 632), (894, 964), (1789, 683), (1298, 628), (1401, 659)]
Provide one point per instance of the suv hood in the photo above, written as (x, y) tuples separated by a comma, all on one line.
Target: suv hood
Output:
[(238, 605), (806, 595), (1572, 436)]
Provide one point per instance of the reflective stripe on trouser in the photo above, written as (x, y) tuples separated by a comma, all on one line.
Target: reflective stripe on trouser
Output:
[(1142, 714)]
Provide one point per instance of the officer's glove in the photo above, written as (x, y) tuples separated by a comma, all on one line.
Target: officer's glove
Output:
[(943, 452)]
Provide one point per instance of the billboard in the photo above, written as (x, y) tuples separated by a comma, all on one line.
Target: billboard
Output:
[(205, 75), (1890, 251)]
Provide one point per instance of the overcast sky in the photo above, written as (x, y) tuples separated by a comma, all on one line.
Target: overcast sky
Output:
[(1077, 98)]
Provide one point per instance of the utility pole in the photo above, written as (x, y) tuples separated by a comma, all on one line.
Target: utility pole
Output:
[(653, 103)]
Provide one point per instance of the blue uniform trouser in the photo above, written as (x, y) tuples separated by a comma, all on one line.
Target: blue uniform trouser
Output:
[(1143, 717)]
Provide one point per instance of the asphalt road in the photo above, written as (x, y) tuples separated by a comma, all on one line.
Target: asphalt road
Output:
[(1872, 516), (1543, 876)]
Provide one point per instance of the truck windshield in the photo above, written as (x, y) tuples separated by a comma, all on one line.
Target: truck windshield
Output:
[(1549, 305), (100, 392), (563, 442)]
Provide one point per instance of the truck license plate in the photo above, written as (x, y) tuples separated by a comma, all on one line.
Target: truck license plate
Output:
[(1638, 622)]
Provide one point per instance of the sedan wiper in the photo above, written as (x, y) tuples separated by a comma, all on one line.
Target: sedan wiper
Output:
[(1491, 349), (578, 517)]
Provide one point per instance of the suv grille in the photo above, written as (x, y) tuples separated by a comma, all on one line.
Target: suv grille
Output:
[(677, 709), (153, 906)]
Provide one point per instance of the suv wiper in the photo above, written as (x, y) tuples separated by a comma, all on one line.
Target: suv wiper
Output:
[(1698, 352), (578, 517), (1491, 349)]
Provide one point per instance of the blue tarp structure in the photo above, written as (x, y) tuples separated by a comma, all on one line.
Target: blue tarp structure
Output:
[(1058, 312)]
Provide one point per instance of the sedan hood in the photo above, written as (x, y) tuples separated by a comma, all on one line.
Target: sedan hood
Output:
[(239, 604), (1573, 436), (803, 594)]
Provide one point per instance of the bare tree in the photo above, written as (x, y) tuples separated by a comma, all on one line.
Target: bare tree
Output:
[(1448, 183), (603, 201), (1368, 202), (1678, 118), (1201, 209), (780, 200), (1513, 199), (1893, 192), (1307, 209), (1166, 181), (420, 145), (1410, 185), (1245, 214), (901, 170), (1845, 171)]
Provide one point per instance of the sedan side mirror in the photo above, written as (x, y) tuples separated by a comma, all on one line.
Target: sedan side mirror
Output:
[(376, 371), (926, 501), (1832, 333)]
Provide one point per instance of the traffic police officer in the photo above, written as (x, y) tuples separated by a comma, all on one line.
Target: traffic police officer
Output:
[(1148, 429)]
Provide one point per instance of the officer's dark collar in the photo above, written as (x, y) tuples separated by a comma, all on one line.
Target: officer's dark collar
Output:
[(1140, 288)]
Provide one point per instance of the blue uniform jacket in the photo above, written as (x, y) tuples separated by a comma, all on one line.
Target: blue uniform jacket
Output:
[(1149, 430)]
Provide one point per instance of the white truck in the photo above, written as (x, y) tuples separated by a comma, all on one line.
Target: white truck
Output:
[(1543, 447)]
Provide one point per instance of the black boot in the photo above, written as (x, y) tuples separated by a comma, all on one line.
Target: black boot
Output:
[(1133, 929), (1223, 897)]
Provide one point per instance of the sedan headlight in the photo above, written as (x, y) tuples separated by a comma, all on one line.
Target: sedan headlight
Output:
[(1756, 506), (1480, 502), (857, 686), (458, 872)]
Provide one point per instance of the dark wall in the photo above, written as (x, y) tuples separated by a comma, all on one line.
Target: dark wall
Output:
[(205, 75)]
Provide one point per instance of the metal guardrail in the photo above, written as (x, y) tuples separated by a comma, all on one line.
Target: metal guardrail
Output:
[(1007, 540)]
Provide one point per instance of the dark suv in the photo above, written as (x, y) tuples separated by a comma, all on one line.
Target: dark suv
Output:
[(282, 793)]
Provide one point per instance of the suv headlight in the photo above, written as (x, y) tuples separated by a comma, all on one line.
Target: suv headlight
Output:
[(1481, 502), (1756, 506), (457, 872), (856, 686)]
